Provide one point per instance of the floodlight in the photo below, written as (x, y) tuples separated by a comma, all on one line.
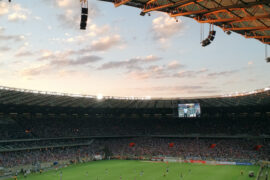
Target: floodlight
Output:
[(142, 13), (228, 32), (99, 96)]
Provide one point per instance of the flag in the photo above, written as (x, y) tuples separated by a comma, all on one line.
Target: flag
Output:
[(258, 147), (212, 146), (132, 144), (171, 144)]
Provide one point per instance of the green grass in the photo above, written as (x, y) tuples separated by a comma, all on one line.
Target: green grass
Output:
[(130, 169)]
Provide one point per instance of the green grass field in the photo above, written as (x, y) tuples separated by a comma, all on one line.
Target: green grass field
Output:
[(131, 170)]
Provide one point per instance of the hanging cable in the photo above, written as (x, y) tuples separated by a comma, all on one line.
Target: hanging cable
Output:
[(266, 54)]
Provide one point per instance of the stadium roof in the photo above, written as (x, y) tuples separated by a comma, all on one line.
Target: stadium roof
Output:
[(17, 97), (250, 18)]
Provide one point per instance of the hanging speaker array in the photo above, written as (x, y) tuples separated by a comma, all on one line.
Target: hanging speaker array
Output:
[(209, 39), (84, 15), (211, 36)]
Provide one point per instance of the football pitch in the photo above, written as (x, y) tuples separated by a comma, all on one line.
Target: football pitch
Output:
[(143, 170)]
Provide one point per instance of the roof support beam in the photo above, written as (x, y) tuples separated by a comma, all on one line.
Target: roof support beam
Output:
[(120, 2), (258, 37), (251, 4), (255, 28), (148, 7), (157, 7), (234, 20)]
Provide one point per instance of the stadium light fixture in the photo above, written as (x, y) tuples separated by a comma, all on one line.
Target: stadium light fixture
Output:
[(148, 97), (228, 32), (142, 13), (99, 96)]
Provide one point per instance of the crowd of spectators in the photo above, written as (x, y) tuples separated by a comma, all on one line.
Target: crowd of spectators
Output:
[(186, 148), (32, 157), (30, 132), (78, 126), (191, 148)]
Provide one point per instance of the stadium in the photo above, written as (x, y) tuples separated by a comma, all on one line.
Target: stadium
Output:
[(46, 131), (165, 116)]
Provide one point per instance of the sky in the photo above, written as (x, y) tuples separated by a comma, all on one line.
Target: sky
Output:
[(121, 53)]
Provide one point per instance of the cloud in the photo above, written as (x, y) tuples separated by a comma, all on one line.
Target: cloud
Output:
[(165, 27), (15, 38), (24, 54), (132, 63), (175, 65), (156, 71), (3, 8), (70, 14), (57, 61), (94, 30), (189, 73), (84, 60), (190, 89), (17, 17), (4, 49), (34, 71), (15, 11), (222, 73), (250, 63), (105, 43)]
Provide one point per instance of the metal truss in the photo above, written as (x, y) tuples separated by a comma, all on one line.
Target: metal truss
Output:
[(250, 18), (118, 3)]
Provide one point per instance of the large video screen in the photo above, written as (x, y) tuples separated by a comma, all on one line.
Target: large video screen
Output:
[(189, 110)]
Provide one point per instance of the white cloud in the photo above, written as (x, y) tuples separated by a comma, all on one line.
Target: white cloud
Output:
[(3, 8), (14, 11), (17, 16), (95, 30), (250, 63), (106, 43), (165, 27)]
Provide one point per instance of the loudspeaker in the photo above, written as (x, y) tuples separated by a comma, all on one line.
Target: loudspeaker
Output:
[(83, 18), (206, 42), (212, 33), (211, 37), (84, 10), (83, 25)]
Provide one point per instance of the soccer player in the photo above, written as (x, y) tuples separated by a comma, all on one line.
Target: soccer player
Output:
[(167, 170), (86, 173), (242, 173), (181, 175), (61, 175)]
